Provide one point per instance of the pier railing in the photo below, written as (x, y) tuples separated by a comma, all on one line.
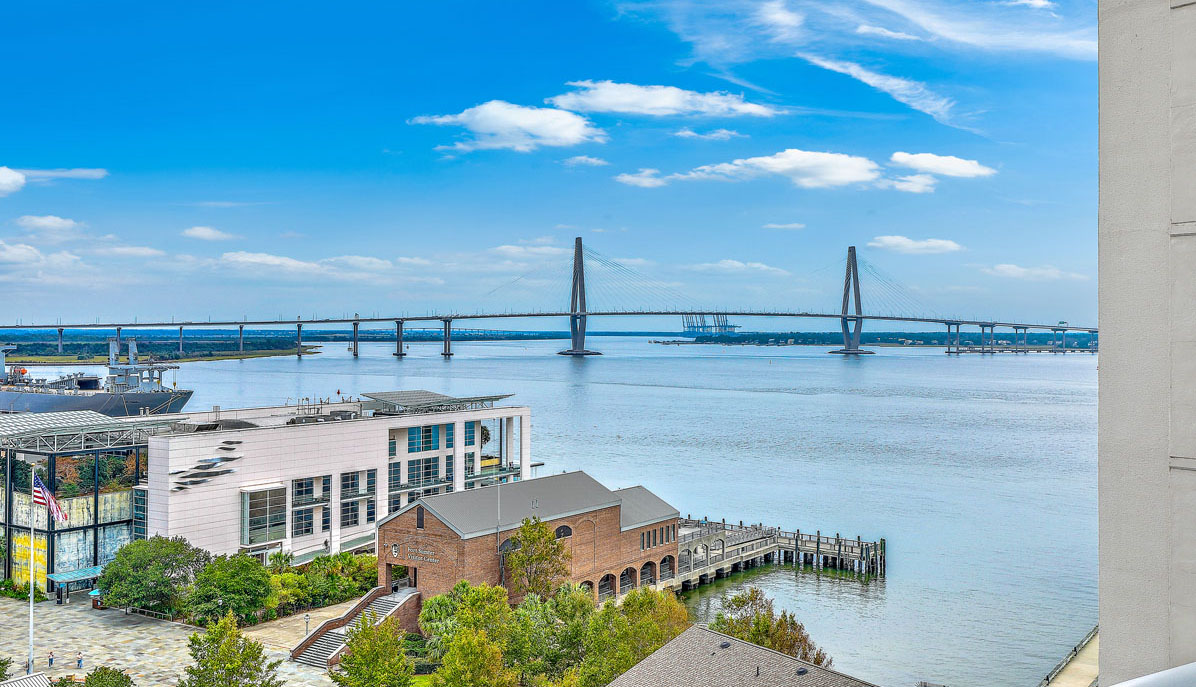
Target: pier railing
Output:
[(814, 549)]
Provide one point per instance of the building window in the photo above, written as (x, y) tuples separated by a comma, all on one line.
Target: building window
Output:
[(448, 435), (350, 484), (371, 510), (470, 433), (395, 476), (327, 492), (263, 516), (419, 519), (392, 449), (425, 438), (325, 518), (303, 522), (642, 547), (140, 499), (448, 467), (303, 490), (350, 513), (371, 481), (469, 466), (653, 537), (564, 531), (394, 503)]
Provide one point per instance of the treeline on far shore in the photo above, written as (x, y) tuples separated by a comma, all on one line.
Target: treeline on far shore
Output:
[(155, 349), (1078, 340)]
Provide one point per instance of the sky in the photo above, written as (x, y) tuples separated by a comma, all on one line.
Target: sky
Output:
[(258, 160)]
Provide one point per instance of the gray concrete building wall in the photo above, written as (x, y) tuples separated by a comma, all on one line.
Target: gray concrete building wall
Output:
[(1147, 434)]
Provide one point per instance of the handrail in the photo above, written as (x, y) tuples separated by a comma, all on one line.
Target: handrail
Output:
[(341, 621), (1070, 655)]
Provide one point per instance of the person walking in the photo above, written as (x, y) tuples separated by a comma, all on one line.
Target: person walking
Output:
[(79, 660), (50, 660)]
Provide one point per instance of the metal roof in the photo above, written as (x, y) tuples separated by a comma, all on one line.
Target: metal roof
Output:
[(34, 680), (641, 507), (77, 575), (475, 512), (726, 662), (74, 430), (422, 401)]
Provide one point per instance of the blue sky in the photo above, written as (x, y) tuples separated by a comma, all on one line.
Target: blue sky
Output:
[(263, 159)]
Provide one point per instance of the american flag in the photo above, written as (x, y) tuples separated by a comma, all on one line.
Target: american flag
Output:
[(43, 497)]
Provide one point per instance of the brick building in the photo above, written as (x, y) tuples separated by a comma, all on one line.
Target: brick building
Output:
[(619, 539)]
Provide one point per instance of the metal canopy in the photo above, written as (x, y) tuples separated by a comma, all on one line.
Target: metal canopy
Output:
[(421, 401), (76, 575), (74, 430)]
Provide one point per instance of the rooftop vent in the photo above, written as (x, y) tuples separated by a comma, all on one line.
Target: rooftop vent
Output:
[(802, 671), (725, 645)]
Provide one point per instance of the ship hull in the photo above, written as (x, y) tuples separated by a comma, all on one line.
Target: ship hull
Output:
[(114, 405)]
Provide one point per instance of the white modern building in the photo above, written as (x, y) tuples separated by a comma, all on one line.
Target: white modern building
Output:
[(1147, 432), (314, 478)]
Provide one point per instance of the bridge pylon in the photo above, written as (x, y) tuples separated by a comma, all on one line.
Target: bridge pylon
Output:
[(577, 305), (852, 324)]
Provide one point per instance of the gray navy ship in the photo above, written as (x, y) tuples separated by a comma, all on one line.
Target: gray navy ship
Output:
[(131, 388)]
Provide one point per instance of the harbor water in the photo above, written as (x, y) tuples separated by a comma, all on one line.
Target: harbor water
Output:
[(979, 471)]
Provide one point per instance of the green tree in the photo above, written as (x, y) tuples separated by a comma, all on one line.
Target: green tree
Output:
[(104, 676), (483, 608), (572, 606), (473, 660), (224, 658), (750, 616), (375, 655), (618, 637), (289, 592), (280, 562), (152, 573), (237, 584), (539, 562), (5, 668)]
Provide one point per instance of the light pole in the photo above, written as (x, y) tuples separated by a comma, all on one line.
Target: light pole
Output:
[(306, 620)]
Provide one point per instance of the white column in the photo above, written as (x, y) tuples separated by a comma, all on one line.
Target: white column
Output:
[(334, 506), (459, 456), (508, 439), (525, 446)]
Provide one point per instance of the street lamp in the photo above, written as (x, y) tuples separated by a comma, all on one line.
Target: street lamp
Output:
[(306, 620)]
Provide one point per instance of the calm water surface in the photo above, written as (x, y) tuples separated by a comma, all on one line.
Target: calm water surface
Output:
[(979, 471)]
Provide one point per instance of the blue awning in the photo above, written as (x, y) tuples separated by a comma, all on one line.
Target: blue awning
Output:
[(76, 575)]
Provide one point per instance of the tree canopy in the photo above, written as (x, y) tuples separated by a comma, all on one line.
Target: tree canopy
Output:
[(223, 657), (618, 637), (473, 660), (237, 584), (538, 562), (375, 655), (152, 573), (750, 616), (105, 676)]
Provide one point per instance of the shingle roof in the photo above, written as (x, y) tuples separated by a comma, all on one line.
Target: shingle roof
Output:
[(473, 512), (701, 657), (642, 507)]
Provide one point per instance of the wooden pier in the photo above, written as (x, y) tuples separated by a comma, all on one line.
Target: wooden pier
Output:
[(714, 549)]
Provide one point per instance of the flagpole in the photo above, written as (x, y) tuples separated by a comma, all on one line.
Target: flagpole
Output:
[(32, 476)]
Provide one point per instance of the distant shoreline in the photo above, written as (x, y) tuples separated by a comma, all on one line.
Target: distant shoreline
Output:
[(64, 361)]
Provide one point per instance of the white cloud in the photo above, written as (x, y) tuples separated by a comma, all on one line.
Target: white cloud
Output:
[(130, 251), (414, 262), (11, 181), (789, 226), (19, 253), (1044, 273), (728, 266), (904, 244), (945, 165), (780, 22), (498, 125), (869, 30), (585, 161), (635, 262), (915, 94), (804, 168), (208, 234), (530, 251), (225, 203), (72, 173), (914, 183), (1034, 4), (626, 98), (50, 228), (245, 259), (947, 21), (715, 135), (360, 262), (645, 178)]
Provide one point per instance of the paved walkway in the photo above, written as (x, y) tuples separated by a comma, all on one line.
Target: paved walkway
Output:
[(1081, 671), (285, 633), (153, 652)]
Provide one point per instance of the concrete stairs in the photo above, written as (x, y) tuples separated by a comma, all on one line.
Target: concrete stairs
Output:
[(331, 642)]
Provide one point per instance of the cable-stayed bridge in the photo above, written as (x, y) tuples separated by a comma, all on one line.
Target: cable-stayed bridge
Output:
[(656, 299)]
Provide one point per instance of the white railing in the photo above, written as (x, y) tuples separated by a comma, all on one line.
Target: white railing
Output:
[(1183, 676)]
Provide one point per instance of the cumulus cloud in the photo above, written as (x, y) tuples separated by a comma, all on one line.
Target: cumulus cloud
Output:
[(882, 32), (499, 125), (904, 244), (728, 266), (208, 234), (585, 161), (646, 177), (11, 181), (242, 258), (130, 251), (914, 94), (789, 226), (50, 228), (19, 253), (914, 183), (1044, 273), (626, 98), (944, 165), (714, 135), (804, 168)]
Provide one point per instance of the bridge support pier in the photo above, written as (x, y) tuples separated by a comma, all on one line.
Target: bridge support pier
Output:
[(356, 326), (118, 338), (851, 334), (180, 341), (577, 305), (953, 347), (60, 341), (299, 339), (1093, 343), (448, 339), (240, 338), (398, 339), (1020, 340)]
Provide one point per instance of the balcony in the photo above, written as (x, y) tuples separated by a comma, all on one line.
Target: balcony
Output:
[(358, 494), (310, 500)]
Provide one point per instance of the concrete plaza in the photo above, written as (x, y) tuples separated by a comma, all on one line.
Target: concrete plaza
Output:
[(152, 652)]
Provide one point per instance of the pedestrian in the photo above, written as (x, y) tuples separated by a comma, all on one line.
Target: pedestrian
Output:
[(50, 660), (79, 660)]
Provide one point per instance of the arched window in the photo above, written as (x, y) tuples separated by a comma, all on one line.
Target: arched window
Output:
[(419, 517), (564, 531), (507, 545)]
